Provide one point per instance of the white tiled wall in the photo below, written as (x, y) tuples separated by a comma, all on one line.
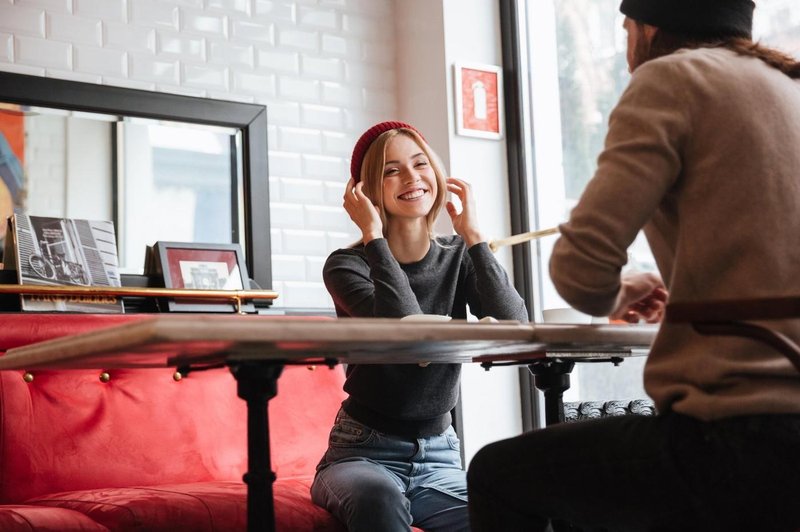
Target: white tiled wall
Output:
[(323, 68)]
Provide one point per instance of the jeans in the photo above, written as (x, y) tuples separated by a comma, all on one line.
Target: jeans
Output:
[(636, 473), (374, 482)]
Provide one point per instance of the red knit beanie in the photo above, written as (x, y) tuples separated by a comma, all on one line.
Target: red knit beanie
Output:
[(366, 140)]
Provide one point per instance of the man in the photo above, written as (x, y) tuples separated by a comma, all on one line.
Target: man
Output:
[(703, 153)]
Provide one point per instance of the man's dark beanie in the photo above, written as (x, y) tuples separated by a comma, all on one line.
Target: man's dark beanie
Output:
[(694, 18)]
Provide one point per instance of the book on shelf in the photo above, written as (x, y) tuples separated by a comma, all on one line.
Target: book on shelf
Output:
[(63, 252)]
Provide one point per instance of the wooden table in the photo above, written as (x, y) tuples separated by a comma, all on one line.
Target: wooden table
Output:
[(256, 349)]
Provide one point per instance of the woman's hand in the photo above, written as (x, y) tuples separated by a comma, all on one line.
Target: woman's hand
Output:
[(642, 296), (466, 222), (363, 213)]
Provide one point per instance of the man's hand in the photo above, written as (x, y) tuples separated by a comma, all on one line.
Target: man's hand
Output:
[(642, 296)]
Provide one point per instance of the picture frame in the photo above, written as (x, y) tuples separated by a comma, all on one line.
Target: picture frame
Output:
[(478, 92), (206, 266)]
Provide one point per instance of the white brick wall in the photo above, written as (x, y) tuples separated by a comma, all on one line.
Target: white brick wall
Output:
[(323, 68)]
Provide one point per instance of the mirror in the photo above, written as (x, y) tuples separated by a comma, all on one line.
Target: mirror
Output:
[(160, 166)]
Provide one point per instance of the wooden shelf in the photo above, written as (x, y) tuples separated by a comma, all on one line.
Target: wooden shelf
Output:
[(231, 296)]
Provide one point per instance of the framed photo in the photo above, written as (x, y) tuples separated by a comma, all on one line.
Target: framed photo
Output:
[(478, 89), (202, 267)]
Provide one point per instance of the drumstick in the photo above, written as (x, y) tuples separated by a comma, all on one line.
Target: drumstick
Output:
[(494, 245)]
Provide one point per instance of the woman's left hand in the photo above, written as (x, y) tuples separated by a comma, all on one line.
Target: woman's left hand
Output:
[(465, 222)]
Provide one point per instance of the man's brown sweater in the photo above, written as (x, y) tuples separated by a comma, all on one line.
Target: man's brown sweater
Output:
[(703, 151)]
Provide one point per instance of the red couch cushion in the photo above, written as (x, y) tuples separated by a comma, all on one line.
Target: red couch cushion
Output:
[(199, 507), (196, 506), (18, 517)]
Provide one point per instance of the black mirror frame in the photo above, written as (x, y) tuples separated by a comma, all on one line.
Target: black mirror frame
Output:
[(251, 119)]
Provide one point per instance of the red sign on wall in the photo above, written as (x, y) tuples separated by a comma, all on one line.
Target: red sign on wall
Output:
[(478, 108)]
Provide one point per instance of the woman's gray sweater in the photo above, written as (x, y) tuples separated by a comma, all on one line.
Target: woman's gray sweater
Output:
[(367, 281)]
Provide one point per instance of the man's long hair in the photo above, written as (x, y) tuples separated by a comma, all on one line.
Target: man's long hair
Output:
[(665, 43)]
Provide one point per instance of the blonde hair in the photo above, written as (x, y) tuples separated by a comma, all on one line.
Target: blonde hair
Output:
[(372, 174)]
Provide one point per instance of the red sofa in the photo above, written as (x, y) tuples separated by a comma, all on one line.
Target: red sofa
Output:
[(140, 450)]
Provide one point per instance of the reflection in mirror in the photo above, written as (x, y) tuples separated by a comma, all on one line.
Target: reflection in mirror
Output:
[(177, 181), (58, 178), (12, 153)]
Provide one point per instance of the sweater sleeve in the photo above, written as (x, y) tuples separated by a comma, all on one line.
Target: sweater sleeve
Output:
[(640, 163), (377, 287), (489, 291)]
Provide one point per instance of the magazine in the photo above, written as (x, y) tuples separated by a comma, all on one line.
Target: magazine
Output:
[(64, 251)]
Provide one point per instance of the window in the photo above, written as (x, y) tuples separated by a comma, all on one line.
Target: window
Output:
[(575, 52)]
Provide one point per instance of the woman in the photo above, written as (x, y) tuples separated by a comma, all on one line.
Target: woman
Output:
[(393, 458)]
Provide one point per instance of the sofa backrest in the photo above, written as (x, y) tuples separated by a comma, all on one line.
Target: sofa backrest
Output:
[(301, 417), (69, 429)]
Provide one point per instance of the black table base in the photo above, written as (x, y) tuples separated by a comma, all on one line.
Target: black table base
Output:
[(552, 378), (257, 384)]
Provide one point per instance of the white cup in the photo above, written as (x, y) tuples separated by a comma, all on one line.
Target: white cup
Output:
[(429, 318), (565, 315)]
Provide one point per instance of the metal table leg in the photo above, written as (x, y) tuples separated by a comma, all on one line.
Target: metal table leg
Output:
[(552, 378), (257, 384)]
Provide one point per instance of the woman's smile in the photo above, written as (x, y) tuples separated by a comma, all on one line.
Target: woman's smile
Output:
[(412, 195)]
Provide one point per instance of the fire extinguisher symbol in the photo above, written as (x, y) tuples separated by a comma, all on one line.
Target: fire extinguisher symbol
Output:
[(479, 100)]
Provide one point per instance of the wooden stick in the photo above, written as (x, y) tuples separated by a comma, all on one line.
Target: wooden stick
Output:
[(494, 245)]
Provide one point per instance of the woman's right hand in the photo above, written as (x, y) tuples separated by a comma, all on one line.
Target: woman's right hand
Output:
[(363, 213)]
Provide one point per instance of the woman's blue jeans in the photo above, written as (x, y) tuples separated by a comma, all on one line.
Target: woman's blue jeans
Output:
[(375, 482)]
